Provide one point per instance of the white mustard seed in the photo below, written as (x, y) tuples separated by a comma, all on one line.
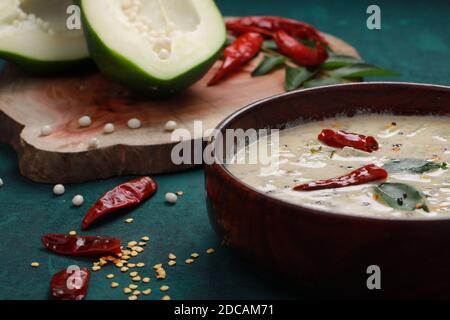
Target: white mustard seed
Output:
[(85, 121), (134, 123), (171, 125), (78, 201), (171, 197), (59, 189), (109, 128), (46, 130)]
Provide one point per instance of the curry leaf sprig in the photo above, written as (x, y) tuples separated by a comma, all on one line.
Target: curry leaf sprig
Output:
[(335, 70)]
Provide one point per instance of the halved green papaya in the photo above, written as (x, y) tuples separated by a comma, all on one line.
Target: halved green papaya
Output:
[(156, 47)]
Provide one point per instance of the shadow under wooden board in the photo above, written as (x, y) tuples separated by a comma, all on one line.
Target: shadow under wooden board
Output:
[(28, 103)]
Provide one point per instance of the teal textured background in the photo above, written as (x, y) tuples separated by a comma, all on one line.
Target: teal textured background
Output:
[(415, 40)]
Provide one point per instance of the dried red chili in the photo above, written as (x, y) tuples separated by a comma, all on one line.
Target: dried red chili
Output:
[(242, 50), (299, 52), (70, 284), (340, 139), (123, 196), (268, 25), (81, 245), (362, 175)]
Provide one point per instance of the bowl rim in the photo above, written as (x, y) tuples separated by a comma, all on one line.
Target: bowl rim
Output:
[(221, 169)]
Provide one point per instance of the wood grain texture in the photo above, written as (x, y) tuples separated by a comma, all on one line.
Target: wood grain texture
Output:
[(28, 103)]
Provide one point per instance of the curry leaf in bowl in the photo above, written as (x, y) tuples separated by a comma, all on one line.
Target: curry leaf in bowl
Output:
[(413, 165), (360, 70), (268, 64), (401, 196)]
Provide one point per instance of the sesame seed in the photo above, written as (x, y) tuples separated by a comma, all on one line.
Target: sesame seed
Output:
[(210, 251), (131, 265), (96, 268), (126, 290), (35, 264), (114, 284), (179, 193), (189, 261), (124, 269), (157, 266), (138, 249), (131, 244), (110, 276), (164, 288), (172, 256), (146, 280), (134, 253), (132, 297), (129, 220), (145, 238), (147, 291), (72, 233), (133, 274), (140, 264), (137, 278), (133, 286), (166, 298), (142, 243), (171, 263), (136, 292), (195, 255)]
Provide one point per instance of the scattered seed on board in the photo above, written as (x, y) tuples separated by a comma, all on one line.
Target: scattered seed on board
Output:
[(96, 268), (147, 291), (114, 284), (59, 189), (179, 193), (136, 292), (140, 265), (145, 238), (134, 123), (189, 261), (138, 249), (171, 125), (132, 297), (146, 280), (166, 298), (160, 274), (137, 278), (133, 274), (46, 131), (131, 265), (157, 266), (131, 244), (142, 244), (93, 143), (78, 200), (195, 255), (72, 233), (110, 276), (109, 128), (124, 269), (127, 290), (171, 197), (35, 264), (85, 121), (129, 220), (164, 288), (134, 253), (171, 263), (171, 256), (210, 251), (133, 286)]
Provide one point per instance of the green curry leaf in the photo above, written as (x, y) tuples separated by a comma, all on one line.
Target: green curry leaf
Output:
[(338, 61), (295, 77), (268, 64), (401, 196), (412, 165), (325, 81), (360, 70)]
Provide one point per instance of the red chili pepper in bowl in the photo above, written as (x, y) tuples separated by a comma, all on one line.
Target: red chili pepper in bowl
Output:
[(341, 139), (268, 25), (85, 246), (362, 175), (123, 196), (70, 284), (241, 51), (299, 52)]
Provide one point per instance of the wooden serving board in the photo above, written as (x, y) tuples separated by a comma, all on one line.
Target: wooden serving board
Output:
[(28, 103)]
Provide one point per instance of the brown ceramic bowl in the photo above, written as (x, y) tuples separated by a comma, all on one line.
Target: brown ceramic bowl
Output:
[(329, 252)]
